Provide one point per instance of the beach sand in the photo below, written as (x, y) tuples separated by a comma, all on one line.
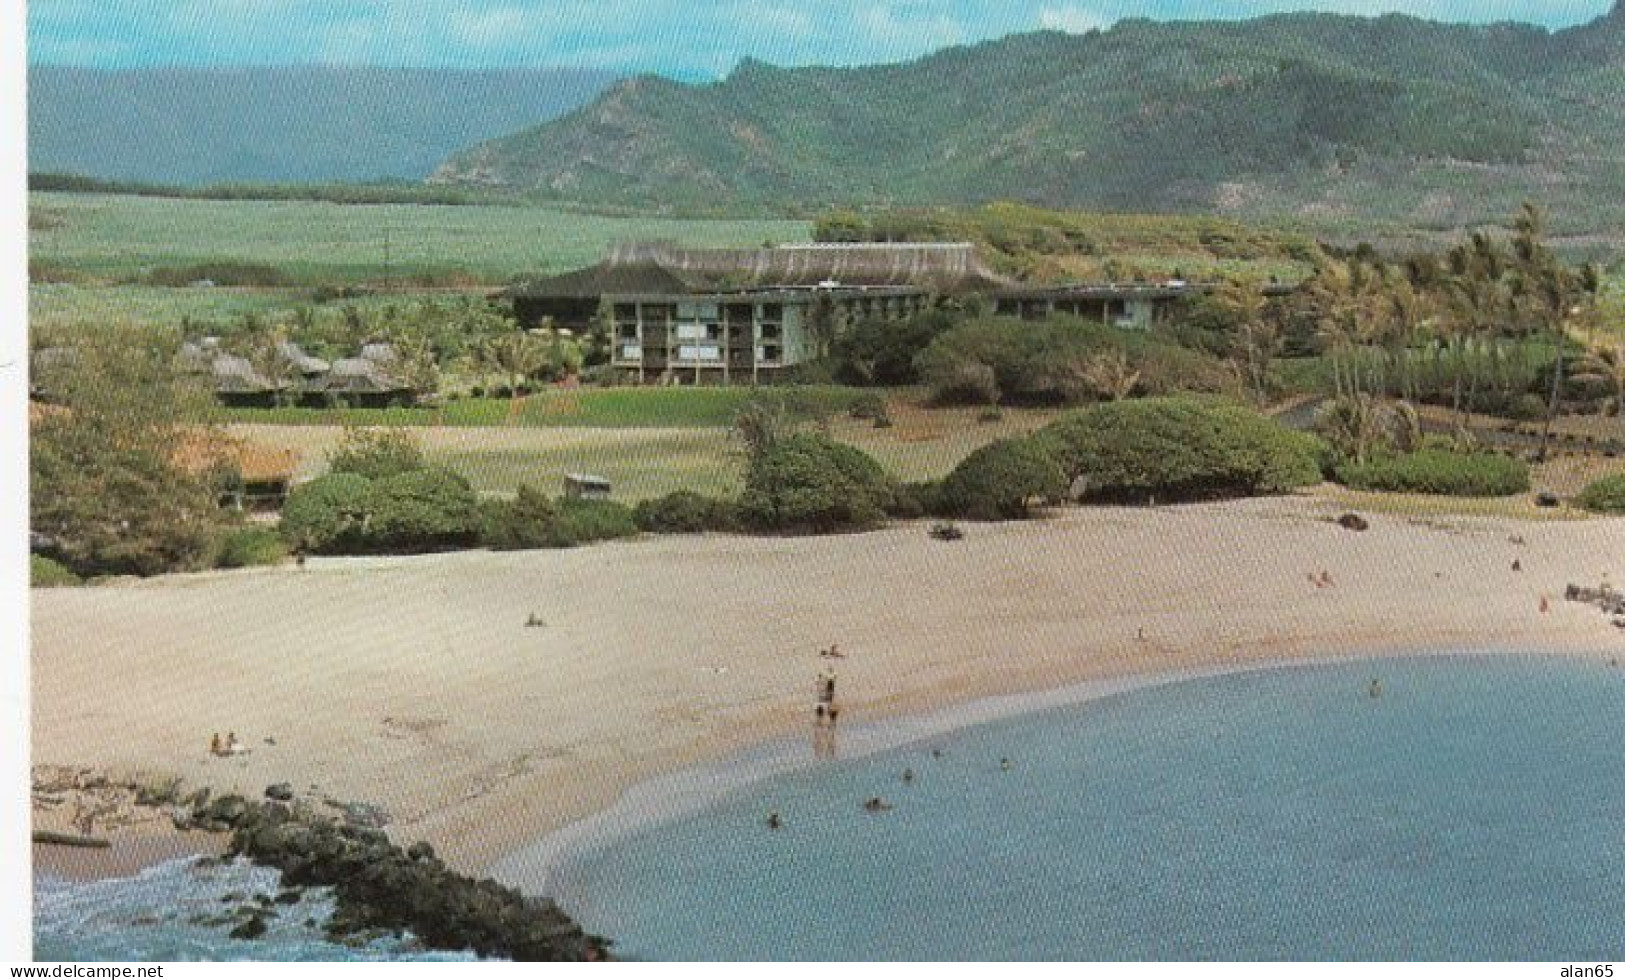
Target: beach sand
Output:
[(413, 683)]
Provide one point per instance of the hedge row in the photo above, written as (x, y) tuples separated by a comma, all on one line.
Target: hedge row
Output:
[(1605, 496), (1437, 471)]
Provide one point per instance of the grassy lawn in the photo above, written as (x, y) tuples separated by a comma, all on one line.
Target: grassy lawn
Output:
[(121, 237), (640, 457), (700, 407), (639, 464)]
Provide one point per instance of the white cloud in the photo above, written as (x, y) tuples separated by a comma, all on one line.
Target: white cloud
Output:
[(1071, 19)]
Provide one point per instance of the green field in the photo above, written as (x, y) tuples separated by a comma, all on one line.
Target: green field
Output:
[(607, 408), (126, 238)]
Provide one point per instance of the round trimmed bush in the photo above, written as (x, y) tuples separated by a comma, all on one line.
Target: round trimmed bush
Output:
[(1180, 449), (584, 521), (1435, 471), (328, 514), (1604, 496), (807, 482), (422, 510), (997, 481), (915, 500), (527, 521), (684, 512)]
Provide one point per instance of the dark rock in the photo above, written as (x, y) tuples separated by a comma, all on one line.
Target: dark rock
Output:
[(252, 928), (279, 791), (380, 889), (226, 810), (289, 896), (946, 531), (1353, 522), (1547, 499)]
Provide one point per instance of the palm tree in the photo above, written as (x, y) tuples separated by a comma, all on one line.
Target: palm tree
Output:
[(1258, 337), (1476, 301), (519, 356), (417, 365), (1604, 361), (1110, 373)]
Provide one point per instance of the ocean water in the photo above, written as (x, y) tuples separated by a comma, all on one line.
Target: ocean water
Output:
[(153, 916), (1474, 811)]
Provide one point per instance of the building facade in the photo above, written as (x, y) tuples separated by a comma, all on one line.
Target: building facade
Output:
[(745, 315)]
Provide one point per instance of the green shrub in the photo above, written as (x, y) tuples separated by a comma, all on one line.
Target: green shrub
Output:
[(685, 512), (584, 521), (250, 546), (996, 481), (1180, 449), (1605, 496), (328, 514), (1061, 359), (911, 501), (870, 405), (807, 482), (1437, 472), (46, 573), (376, 453), (527, 521), (421, 510)]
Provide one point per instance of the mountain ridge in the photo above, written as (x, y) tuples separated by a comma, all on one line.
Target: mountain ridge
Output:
[(193, 125), (1145, 116)]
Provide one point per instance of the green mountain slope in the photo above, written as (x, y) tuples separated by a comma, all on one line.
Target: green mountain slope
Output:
[(1314, 115), (206, 125)]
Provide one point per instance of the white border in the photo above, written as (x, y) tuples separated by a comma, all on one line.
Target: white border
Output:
[(16, 904)]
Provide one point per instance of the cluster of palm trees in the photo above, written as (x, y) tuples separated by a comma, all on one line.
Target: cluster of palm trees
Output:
[(428, 341), (1488, 317)]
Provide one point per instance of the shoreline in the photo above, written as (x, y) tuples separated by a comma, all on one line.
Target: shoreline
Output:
[(413, 684), (679, 794)]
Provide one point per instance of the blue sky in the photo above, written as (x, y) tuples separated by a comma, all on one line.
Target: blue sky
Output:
[(673, 36)]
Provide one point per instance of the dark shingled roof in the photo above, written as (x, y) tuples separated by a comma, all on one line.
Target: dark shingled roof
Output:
[(667, 269)]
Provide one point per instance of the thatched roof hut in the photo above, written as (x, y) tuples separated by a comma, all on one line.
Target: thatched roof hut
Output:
[(302, 362), (661, 269), (234, 375), (361, 376)]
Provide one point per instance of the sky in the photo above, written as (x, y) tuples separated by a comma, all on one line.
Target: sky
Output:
[(680, 37)]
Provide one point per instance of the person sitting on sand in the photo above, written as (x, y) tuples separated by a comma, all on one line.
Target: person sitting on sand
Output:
[(234, 747), (835, 651), (1517, 565), (215, 748), (1326, 578)]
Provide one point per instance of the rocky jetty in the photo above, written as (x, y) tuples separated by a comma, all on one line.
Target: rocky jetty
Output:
[(1605, 597), (381, 888)]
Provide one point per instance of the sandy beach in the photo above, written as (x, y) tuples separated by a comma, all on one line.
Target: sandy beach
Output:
[(415, 684)]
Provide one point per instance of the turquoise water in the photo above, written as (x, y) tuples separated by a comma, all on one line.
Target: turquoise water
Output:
[(153, 917), (1476, 810)]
